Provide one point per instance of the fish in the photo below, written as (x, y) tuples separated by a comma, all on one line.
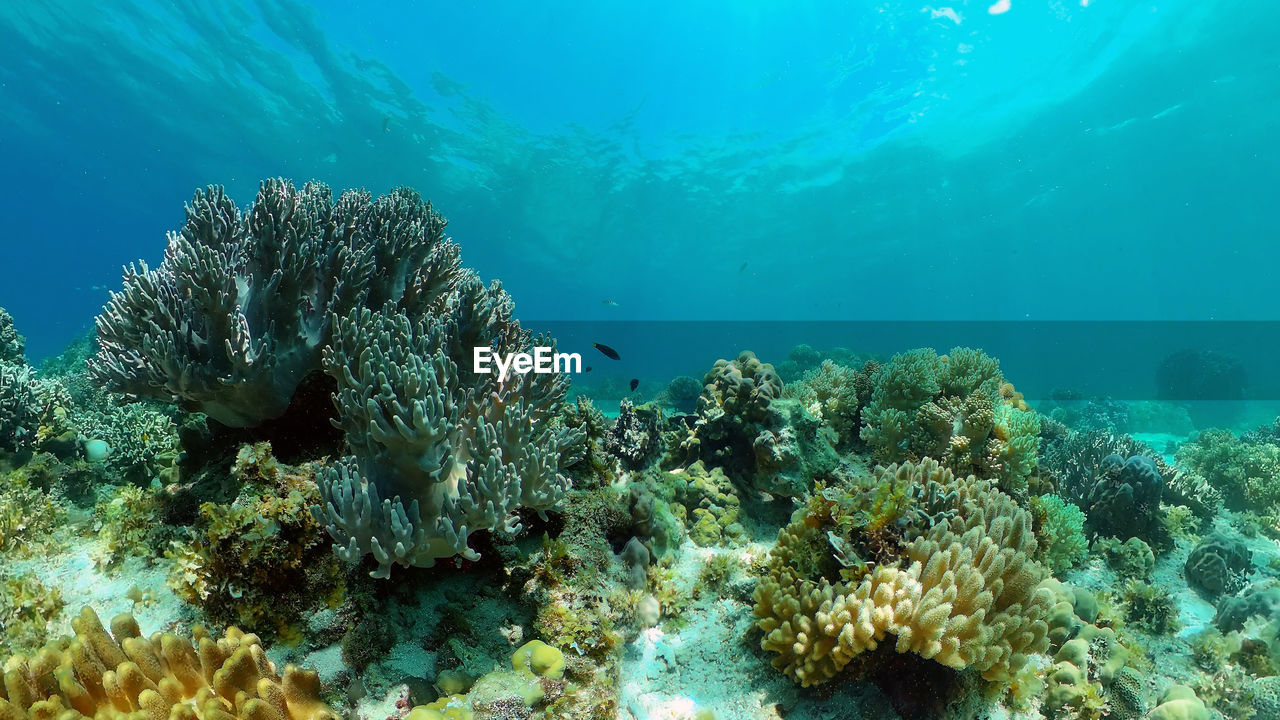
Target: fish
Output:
[(386, 123), (607, 351), (635, 383), (587, 370), (742, 269), (610, 303)]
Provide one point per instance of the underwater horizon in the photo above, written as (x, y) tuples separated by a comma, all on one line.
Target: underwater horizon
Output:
[(702, 361)]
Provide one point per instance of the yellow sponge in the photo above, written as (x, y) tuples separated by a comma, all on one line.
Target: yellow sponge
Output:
[(540, 659)]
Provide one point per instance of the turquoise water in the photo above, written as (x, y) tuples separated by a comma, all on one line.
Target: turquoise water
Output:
[(927, 360), (712, 161)]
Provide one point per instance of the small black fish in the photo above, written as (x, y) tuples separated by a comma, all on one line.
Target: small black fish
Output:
[(588, 369), (742, 269), (635, 383), (607, 351)]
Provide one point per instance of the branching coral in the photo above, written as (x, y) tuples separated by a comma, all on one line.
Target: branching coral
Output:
[(12, 345), (964, 593), (439, 451), (1247, 474), (241, 307), (142, 437), (18, 406), (123, 674), (1060, 532), (836, 395), (957, 408)]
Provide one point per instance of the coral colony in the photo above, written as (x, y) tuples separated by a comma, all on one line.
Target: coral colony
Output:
[(312, 467)]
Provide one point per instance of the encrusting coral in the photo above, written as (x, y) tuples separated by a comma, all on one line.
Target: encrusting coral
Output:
[(123, 674), (964, 593)]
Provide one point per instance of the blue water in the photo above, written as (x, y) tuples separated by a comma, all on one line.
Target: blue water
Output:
[(747, 160)]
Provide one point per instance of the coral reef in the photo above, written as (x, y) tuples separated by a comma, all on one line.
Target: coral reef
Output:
[(101, 674), (291, 393), (836, 395), (956, 408), (260, 561), (746, 427), (964, 593)]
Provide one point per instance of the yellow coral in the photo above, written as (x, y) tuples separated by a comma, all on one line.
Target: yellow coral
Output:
[(965, 595), (123, 676)]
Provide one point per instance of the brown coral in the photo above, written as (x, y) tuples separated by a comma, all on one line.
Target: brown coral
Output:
[(123, 676), (965, 594)]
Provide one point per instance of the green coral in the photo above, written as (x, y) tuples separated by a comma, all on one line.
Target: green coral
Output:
[(836, 394), (1132, 559), (955, 408), (28, 515), (709, 503), (1246, 474), (1059, 527), (1150, 607), (260, 561), (27, 607), (533, 685), (127, 523)]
